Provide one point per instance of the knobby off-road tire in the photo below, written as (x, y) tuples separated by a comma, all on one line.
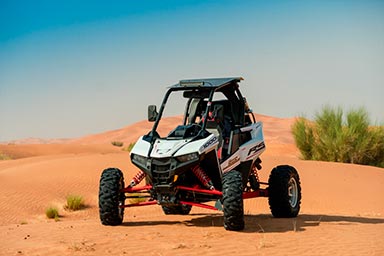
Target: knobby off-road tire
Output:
[(284, 192), (110, 197), (182, 209), (233, 201)]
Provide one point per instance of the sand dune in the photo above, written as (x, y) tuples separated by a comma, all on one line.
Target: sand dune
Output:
[(130, 133), (276, 131), (342, 207)]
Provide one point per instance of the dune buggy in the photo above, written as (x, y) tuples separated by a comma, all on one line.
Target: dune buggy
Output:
[(213, 155)]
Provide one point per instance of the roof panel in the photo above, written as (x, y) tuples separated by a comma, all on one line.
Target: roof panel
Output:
[(207, 82)]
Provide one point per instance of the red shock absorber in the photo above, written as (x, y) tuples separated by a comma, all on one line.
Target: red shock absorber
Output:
[(137, 178), (203, 177), (254, 169), (254, 180)]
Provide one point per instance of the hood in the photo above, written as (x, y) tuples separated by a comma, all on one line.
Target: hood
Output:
[(166, 148)]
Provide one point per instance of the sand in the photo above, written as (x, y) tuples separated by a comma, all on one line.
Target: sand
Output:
[(342, 210)]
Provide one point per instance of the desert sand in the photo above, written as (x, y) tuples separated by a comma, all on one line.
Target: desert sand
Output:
[(342, 210)]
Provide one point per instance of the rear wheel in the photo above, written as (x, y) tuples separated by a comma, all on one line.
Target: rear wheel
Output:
[(233, 201), (182, 209), (111, 197), (284, 192)]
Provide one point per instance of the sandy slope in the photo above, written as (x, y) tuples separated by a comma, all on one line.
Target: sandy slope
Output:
[(342, 206)]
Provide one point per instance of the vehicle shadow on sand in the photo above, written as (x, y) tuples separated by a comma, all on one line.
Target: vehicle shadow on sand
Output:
[(265, 223)]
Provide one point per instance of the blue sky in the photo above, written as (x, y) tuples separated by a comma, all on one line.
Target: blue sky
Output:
[(72, 68)]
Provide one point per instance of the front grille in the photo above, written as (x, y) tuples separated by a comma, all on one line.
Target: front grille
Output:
[(161, 171)]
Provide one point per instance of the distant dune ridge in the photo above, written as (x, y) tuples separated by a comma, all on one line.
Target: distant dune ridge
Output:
[(342, 207), (276, 129)]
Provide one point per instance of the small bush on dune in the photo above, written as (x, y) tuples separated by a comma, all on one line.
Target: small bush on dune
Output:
[(4, 156), (117, 143), (52, 213), (74, 202), (338, 138)]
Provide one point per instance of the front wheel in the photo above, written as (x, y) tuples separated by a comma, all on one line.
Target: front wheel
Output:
[(284, 192), (111, 197), (233, 201)]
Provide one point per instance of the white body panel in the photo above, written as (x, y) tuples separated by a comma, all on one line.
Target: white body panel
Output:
[(253, 148), (200, 146), (166, 148), (250, 150), (141, 147)]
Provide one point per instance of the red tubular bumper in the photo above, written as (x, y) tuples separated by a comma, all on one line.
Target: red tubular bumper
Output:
[(139, 204), (262, 192), (206, 206), (246, 195), (136, 189), (203, 191)]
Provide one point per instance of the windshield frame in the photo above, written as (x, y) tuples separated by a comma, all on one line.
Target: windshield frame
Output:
[(165, 100)]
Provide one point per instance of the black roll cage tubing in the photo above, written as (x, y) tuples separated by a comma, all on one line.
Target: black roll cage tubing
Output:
[(208, 108)]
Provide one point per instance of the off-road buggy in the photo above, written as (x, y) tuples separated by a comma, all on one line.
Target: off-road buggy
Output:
[(213, 155)]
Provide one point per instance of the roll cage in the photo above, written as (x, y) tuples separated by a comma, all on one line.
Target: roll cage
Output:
[(204, 116), (200, 94)]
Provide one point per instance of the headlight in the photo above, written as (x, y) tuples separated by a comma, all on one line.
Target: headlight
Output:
[(140, 159), (188, 157)]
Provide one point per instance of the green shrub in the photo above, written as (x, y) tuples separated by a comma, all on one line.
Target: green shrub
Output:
[(74, 202), (4, 156), (117, 143), (303, 134), (129, 147), (338, 138), (52, 213)]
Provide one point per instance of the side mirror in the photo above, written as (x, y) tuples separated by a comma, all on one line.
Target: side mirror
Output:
[(152, 113)]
